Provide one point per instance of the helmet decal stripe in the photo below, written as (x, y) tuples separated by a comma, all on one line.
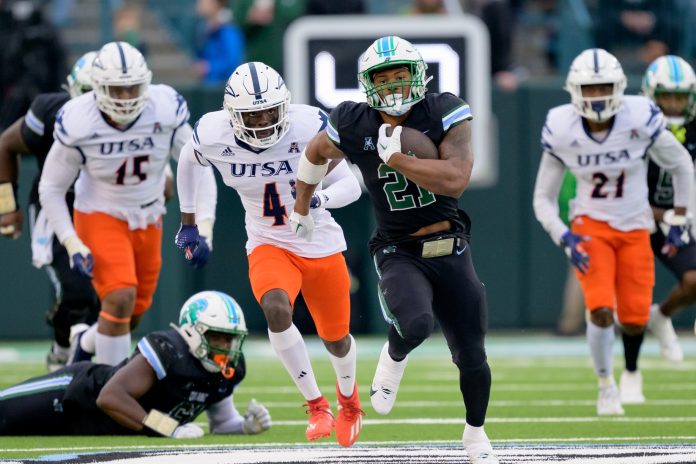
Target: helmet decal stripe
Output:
[(596, 60), (675, 72), (230, 305), (255, 80), (124, 68)]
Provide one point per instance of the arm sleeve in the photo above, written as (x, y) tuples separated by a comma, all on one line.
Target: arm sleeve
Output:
[(181, 136), (340, 187), (196, 185), (672, 156), (223, 418), (546, 190), (61, 167)]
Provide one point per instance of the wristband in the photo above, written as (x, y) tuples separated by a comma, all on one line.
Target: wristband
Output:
[(8, 202), (160, 422)]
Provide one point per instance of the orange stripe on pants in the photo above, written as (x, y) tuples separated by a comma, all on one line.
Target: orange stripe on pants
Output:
[(622, 270), (122, 258), (324, 282)]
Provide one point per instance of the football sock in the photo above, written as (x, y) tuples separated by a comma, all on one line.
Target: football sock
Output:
[(601, 341), (632, 344), (111, 350), (292, 352), (87, 340), (475, 385), (345, 369)]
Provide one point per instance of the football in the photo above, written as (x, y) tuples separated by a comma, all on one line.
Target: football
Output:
[(416, 143)]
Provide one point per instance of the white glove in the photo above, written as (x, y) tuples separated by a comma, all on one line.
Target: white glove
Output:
[(302, 226), (388, 145), (257, 419), (189, 430)]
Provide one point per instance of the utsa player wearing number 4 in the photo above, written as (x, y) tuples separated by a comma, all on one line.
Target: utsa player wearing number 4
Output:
[(602, 138), (119, 139), (171, 378), (421, 246), (255, 144)]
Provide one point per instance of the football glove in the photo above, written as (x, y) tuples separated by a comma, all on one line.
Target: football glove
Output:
[(188, 431), (187, 239), (314, 203), (302, 226), (677, 235), (572, 245), (257, 419), (81, 259), (388, 145)]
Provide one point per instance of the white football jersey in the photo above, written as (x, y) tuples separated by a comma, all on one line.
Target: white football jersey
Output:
[(262, 180), (611, 173), (123, 171)]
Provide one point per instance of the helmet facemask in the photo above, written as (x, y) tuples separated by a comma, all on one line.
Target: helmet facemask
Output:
[(111, 101), (263, 136)]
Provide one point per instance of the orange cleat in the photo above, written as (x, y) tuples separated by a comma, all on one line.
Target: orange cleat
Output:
[(349, 420), (321, 419)]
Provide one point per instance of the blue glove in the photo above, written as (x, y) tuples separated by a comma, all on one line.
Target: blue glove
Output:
[(81, 259), (187, 239), (314, 203), (678, 234), (572, 244), (200, 254)]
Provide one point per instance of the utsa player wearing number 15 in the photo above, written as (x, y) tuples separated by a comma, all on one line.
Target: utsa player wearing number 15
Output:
[(602, 138), (171, 378), (119, 139), (421, 246), (255, 145)]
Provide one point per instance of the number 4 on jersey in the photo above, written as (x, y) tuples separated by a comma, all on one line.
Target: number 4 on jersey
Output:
[(272, 207)]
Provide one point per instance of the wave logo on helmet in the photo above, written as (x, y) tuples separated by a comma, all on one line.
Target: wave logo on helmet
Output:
[(212, 324), (80, 77), (394, 97)]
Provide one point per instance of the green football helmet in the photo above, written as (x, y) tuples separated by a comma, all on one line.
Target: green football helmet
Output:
[(671, 74), (390, 52)]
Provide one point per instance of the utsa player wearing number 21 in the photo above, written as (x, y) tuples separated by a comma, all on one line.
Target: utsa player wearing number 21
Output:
[(119, 139), (602, 137), (255, 144), (421, 245)]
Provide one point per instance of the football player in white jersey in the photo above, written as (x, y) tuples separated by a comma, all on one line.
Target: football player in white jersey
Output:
[(255, 144), (602, 137), (119, 140)]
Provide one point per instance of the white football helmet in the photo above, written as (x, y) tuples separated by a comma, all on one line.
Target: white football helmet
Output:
[(212, 311), (671, 74), (80, 77), (253, 87), (119, 64), (387, 52), (596, 66)]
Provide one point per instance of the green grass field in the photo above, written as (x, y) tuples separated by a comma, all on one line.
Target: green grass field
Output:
[(544, 392)]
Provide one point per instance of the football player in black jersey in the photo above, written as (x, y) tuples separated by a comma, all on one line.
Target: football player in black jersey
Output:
[(76, 300), (171, 378), (671, 83), (421, 245)]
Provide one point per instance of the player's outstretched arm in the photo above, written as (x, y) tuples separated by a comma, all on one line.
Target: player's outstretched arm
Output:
[(11, 144)]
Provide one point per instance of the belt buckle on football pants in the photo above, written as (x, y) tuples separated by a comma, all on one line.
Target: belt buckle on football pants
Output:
[(440, 246)]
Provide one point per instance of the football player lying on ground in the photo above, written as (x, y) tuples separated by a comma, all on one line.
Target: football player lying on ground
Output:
[(171, 378)]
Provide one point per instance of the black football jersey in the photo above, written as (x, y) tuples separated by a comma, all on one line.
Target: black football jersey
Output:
[(183, 388), (401, 207), (661, 189), (37, 130)]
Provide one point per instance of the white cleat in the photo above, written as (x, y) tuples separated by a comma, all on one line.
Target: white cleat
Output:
[(478, 446), (609, 401), (386, 382), (661, 326), (631, 388)]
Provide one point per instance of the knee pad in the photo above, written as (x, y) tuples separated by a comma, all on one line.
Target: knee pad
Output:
[(470, 356)]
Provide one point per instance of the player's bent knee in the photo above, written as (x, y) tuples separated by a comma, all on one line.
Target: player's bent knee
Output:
[(278, 314), (632, 329), (418, 328), (120, 303), (602, 317), (688, 283), (470, 356)]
